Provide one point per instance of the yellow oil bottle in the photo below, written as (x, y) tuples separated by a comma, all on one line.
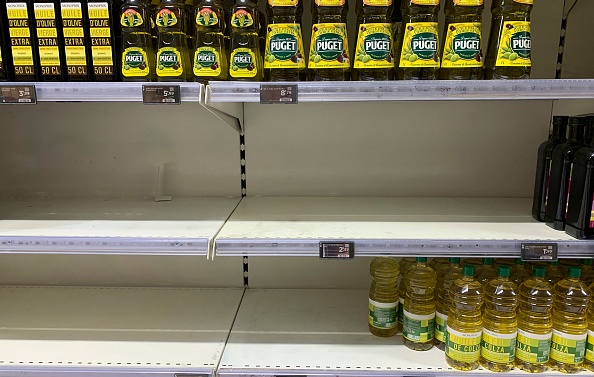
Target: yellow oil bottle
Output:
[(383, 296), (587, 272), (439, 265), (210, 56), (565, 263), (475, 262), (535, 323), (589, 357), (419, 306), (486, 272), (500, 325), (554, 273), (405, 264), (443, 301), (246, 59), (138, 56), (173, 55), (519, 273), (465, 328)]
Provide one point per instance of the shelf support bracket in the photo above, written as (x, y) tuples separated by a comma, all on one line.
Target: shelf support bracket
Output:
[(228, 112)]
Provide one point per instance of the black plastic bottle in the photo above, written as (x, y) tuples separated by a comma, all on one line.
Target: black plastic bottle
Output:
[(49, 40), (104, 58), (543, 166), (21, 34), (561, 166), (76, 42), (5, 57)]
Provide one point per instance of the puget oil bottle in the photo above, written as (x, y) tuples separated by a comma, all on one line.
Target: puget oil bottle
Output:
[(210, 56), (173, 56), (246, 59), (138, 55)]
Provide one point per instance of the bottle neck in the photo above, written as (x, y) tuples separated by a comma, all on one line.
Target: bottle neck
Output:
[(559, 131), (576, 134)]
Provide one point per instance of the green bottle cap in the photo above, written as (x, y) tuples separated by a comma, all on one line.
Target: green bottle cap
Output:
[(575, 272), (519, 261), (539, 271), (454, 260), (421, 259), (586, 262), (555, 263), (488, 261), (503, 271), (468, 270)]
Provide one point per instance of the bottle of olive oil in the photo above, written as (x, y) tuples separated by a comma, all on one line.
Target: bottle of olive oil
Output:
[(329, 58), (138, 55), (245, 63), (49, 40), (20, 17), (5, 59), (284, 57), (462, 51), (417, 48), (210, 56), (509, 56), (419, 306), (76, 43), (383, 297), (374, 56), (103, 40), (580, 209), (173, 57)]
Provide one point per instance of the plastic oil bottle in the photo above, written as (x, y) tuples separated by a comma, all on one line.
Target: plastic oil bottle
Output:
[(405, 264), (535, 323), (173, 58), (417, 47), (554, 273), (443, 300), (519, 273), (419, 306), (329, 58), (246, 60), (383, 297), (487, 272), (462, 51), (589, 358), (509, 56), (587, 272), (465, 328), (138, 55), (210, 55), (500, 325), (570, 323), (439, 265)]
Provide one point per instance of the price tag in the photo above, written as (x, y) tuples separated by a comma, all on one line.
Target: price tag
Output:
[(337, 250), (274, 94), (18, 94), (161, 94), (537, 251)]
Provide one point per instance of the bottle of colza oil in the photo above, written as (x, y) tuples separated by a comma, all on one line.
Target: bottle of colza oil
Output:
[(405, 264), (210, 57), (462, 51), (500, 325), (535, 323), (104, 58), (173, 57), (487, 272), (246, 58), (138, 55), (519, 273), (374, 55), (329, 58), (554, 273), (589, 357), (443, 300), (76, 43), (509, 56), (383, 297), (419, 306), (417, 48), (25, 60), (465, 326), (49, 40), (570, 323)]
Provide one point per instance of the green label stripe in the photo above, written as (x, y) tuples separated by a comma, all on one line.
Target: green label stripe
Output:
[(418, 328), (463, 347), (440, 326), (533, 348), (568, 348), (383, 315), (498, 348)]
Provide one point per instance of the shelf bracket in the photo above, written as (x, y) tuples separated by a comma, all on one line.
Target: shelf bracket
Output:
[(159, 197), (229, 112)]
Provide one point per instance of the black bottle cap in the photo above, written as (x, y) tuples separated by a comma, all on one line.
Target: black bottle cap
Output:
[(577, 121), (560, 120)]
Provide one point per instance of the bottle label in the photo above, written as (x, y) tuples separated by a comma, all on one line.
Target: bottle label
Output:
[(284, 47), (469, 3), (592, 214), (166, 18), (568, 191), (383, 315), (74, 38), (283, 3), (498, 348), (524, 1), (374, 46), (207, 62), (463, 347), (131, 18), (418, 328), (401, 310), (590, 347), (426, 2), (169, 62), (206, 17), (329, 46), (533, 348), (420, 45), (101, 43), (242, 18), (441, 321), (330, 3), (515, 45), (463, 47), (135, 62), (568, 348), (20, 38), (243, 63), (378, 3), (47, 38)]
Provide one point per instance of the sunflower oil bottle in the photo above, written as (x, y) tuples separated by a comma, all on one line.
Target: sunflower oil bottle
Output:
[(210, 54), (535, 323), (383, 297), (565, 264), (138, 55), (405, 264), (570, 323), (443, 301), (173, 55), (245, 60), (419, 306), (554, 273), (589, 358), (519, 273), (587, 272), (500, 325), (439, 265), (487, 272), (464, 329)]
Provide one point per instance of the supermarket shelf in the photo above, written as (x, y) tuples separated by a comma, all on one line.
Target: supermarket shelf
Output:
[(82, 331), (322, 332), (389, 226), (183, 226), (361, 91)]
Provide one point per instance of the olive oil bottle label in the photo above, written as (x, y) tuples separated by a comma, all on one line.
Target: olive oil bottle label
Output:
[(426, 2), (20, 38), (418, 328), (524, 1), (497, 347), (283, 3), (135, 62), (469, 3), (420, 45), (207, 61), (463, 47), (166, 18), (243, 63), (74, 38), (242, 18), (441, 321), (284, 47), (47, 38), (383, 315), (568, 348), (401, 310), (463, 347), (206, 17), (330, 3), (533, 348), (101, 41), (329, 46), (378, 3), (169, 62), (374, 46), (131, 18), (590, 346), (515, 45)]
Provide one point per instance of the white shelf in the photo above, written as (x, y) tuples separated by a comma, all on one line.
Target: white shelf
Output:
[(322, 332), (57, 331), (183, 226), (360, 91), (389, 226)]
